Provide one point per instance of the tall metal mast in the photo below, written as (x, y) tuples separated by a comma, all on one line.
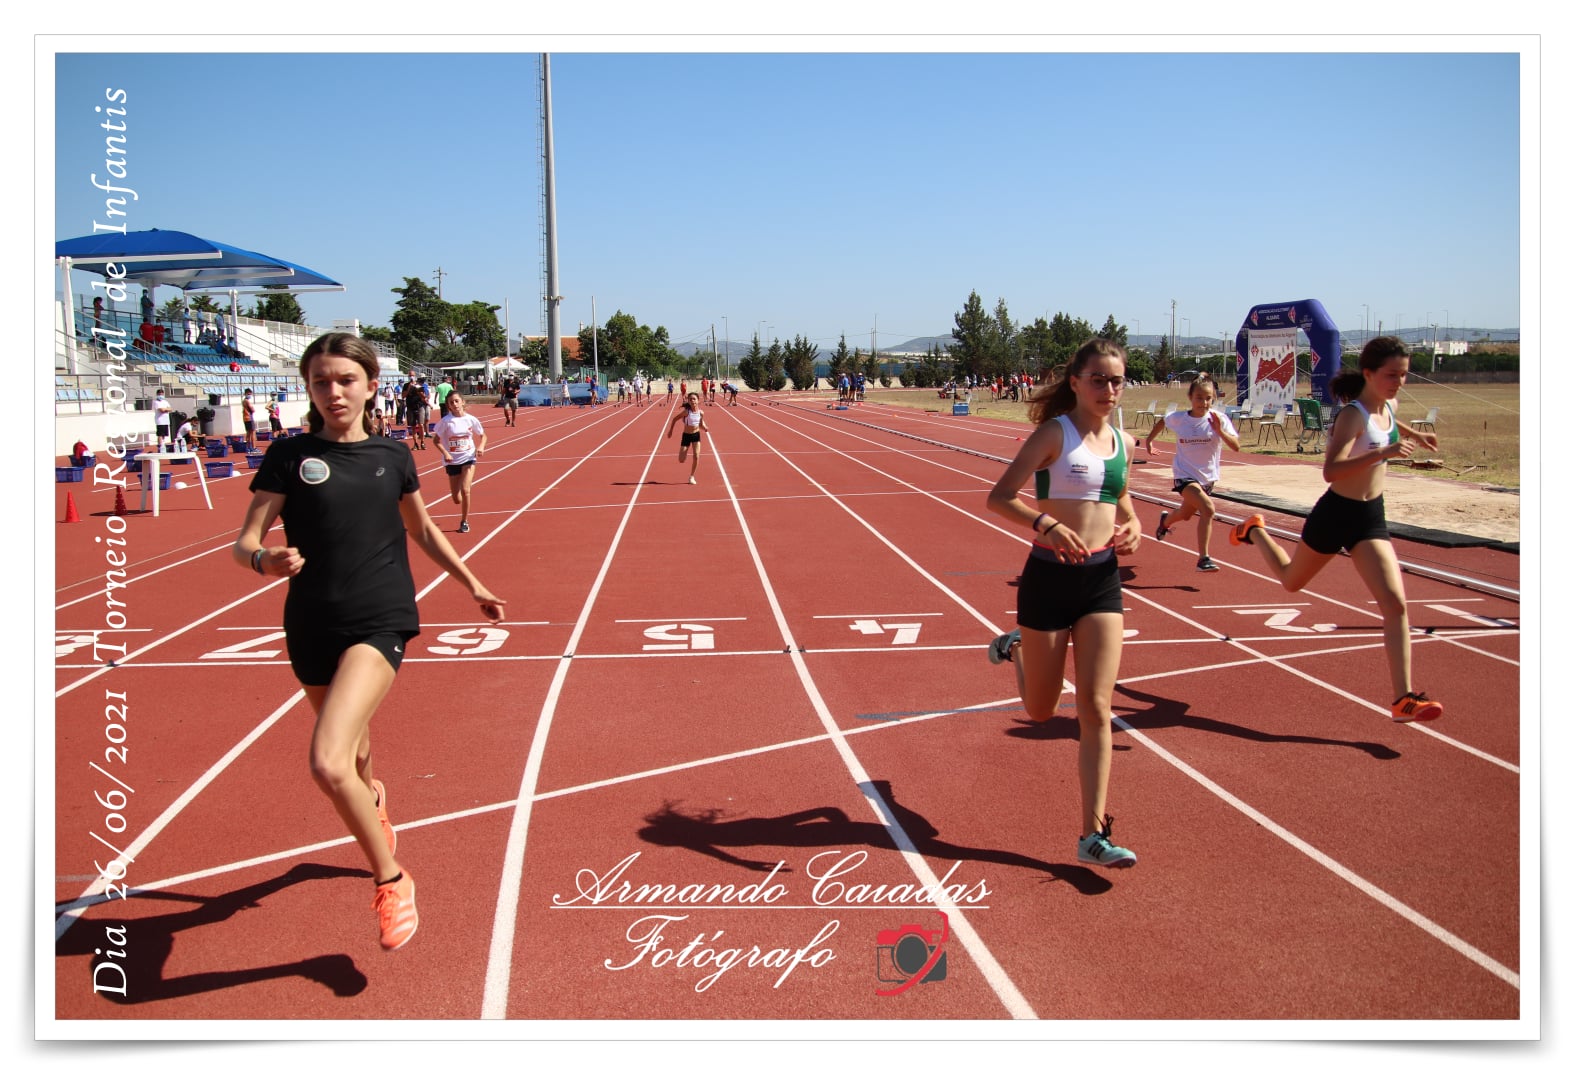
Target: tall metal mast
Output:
[(554, 299)]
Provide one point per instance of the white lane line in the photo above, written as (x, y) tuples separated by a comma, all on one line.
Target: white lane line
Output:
[(1363, 885), (1416, 918), (505, 917), (994, 974), (146, 837), (164, 819)]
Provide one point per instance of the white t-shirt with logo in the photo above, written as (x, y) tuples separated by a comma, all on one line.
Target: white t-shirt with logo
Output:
[(457, 434), (1197, 446)]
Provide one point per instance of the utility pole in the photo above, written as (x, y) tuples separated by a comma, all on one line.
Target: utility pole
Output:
[(438, 275), (1173, 330)]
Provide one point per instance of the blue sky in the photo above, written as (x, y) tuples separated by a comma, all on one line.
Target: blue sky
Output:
[(829, 194)]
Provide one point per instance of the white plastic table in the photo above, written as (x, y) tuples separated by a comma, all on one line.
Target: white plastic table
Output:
[(150, 470)]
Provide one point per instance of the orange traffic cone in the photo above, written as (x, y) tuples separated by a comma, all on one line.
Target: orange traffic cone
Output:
[(71, 508), (120, 501)]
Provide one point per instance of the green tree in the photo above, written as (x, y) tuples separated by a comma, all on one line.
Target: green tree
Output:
[(1005, 347), (930, 371), (975, 333), (479, 328), (377, 333), (420, 320), (841, 361), (751, 368), (798, 362), (279, 306), (871, 369), (1035, 347), (624, 346), (772, 376), (1113, 331)]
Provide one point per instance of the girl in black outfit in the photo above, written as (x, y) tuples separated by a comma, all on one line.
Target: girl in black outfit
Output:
[(348, 500)]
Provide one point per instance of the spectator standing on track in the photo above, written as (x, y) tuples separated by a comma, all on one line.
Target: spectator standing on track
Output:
[(1350, 514), (416, 415), (694, 425), (161, 418), (275, 425), (1201, 434), (461, 438), (1070, 589), (249, 420), (348, 500), (442, 391), (509, 396)]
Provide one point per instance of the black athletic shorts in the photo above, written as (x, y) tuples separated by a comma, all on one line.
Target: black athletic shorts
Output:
[(314, 655), (1337, 522), (1052, 596), (1178, 484), (689, 438), (456, 469)]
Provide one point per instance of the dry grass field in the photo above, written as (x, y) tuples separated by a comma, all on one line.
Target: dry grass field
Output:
[(1478, 424)]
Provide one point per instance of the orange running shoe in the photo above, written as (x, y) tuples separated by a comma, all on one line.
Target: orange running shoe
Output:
[(1415, 706), (381, 802), (395, 904), (1241, 534)]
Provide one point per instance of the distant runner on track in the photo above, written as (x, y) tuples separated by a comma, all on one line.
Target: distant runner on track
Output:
[(694, 425)]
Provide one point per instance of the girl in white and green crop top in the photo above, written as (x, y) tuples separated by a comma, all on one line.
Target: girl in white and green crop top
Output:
[(1082, 517)]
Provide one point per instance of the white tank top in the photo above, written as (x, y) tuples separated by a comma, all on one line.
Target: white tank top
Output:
[(1373, 437), (1079, 474)]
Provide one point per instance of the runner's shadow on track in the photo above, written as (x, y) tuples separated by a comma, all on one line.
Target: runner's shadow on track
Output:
[(1057, 727), (1171, 713), (149, 941), (708, 832)]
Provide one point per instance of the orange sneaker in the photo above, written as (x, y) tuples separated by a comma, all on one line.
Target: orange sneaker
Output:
[(1415, 706), (1241, 534), (381, 801), (395, 904)]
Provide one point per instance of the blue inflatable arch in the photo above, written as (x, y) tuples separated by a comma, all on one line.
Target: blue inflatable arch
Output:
[(1309, 316)]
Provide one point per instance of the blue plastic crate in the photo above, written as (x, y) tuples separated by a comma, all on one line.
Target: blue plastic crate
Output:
[(68, 474), (220, 469)]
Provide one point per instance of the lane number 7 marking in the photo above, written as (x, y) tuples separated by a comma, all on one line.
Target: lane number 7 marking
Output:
[(906, 633), (1283, 619)]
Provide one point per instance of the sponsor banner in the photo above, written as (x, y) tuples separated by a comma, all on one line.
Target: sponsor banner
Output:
[(1271, 367)]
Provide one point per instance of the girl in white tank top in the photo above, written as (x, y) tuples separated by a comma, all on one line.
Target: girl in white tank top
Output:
[(1082, 518)]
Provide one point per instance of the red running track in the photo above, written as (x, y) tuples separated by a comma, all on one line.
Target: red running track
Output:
[(736, 753)]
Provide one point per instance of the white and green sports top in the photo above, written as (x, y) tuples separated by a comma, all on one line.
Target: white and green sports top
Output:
[(1374, 436), (1079, 474)]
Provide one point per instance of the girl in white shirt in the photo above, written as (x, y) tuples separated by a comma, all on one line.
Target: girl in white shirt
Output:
[(1201, 433), (461, 439)]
